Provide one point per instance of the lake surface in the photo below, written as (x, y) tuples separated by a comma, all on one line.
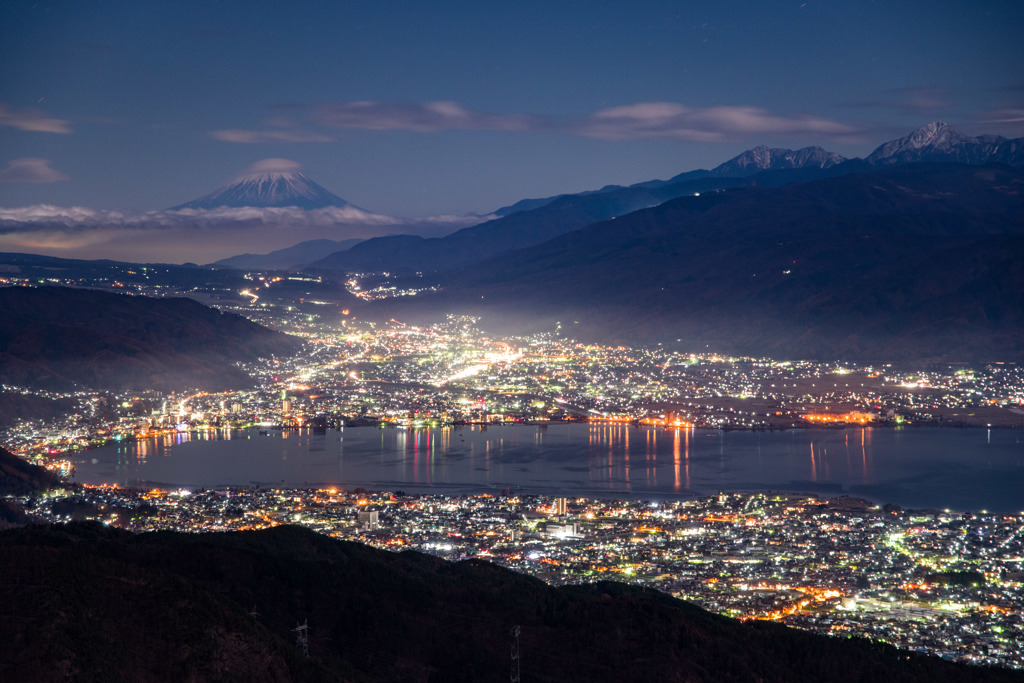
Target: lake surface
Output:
[(960, 469)]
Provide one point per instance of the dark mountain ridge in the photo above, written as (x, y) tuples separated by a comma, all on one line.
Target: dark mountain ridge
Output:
[(750, 162), (411, 253), (88, 602), (563, 214), (909, 262), (533, 221), (18, 477), (294, 257), (58, 337)]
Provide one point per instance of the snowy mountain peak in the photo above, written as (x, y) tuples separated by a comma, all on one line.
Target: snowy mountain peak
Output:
[(931, 133), (762, 158), (938, 142), (936, 134), (270, 183)]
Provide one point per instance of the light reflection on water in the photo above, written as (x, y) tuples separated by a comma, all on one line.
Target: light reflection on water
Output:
[(954, 468)]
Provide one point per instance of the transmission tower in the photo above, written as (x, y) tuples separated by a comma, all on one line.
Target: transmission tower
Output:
[(514, 676), (302, 636)]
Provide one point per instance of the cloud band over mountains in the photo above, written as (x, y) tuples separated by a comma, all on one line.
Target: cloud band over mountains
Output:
[(199, 235), (668, 120), (44, 216)]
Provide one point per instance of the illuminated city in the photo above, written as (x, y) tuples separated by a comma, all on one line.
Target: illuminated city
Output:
[(450, 373), (945, 582)]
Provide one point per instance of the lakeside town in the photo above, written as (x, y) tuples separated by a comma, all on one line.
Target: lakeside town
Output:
[(451, 373), (943, 582)]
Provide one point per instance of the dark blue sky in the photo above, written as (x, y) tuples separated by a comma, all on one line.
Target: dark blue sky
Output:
[(415, 108)]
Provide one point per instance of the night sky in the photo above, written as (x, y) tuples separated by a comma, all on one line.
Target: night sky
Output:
[(422, 109)]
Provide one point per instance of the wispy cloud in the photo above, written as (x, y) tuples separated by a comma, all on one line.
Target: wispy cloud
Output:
[(31, 170), (425, 117), (1005, 118), (257, 136), (639, 121), (1007, 114), (672, 121), (32, 120)]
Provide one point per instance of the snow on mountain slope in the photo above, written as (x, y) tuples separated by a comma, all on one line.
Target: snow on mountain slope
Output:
[(937, 141), (271, 183)]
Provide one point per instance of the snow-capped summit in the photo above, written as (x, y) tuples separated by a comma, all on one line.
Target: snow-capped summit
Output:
[(762, 158), (938, 142), (937, 135), (270, 183)]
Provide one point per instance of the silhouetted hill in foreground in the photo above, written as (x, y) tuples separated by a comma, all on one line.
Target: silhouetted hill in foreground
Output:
[(53, 337), (86, 602)]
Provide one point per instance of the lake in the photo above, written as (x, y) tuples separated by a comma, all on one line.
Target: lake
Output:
[(960, 469)]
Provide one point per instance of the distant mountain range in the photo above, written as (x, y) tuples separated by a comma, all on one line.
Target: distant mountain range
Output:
[(907, 254), (743, 165), (533, 221), (278, 183), (935, 142)]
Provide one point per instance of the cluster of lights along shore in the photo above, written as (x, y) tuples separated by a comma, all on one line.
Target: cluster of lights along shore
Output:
[(945, 582), (450, 373)]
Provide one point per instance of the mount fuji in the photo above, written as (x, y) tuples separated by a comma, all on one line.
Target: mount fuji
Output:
[(271, 183)]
